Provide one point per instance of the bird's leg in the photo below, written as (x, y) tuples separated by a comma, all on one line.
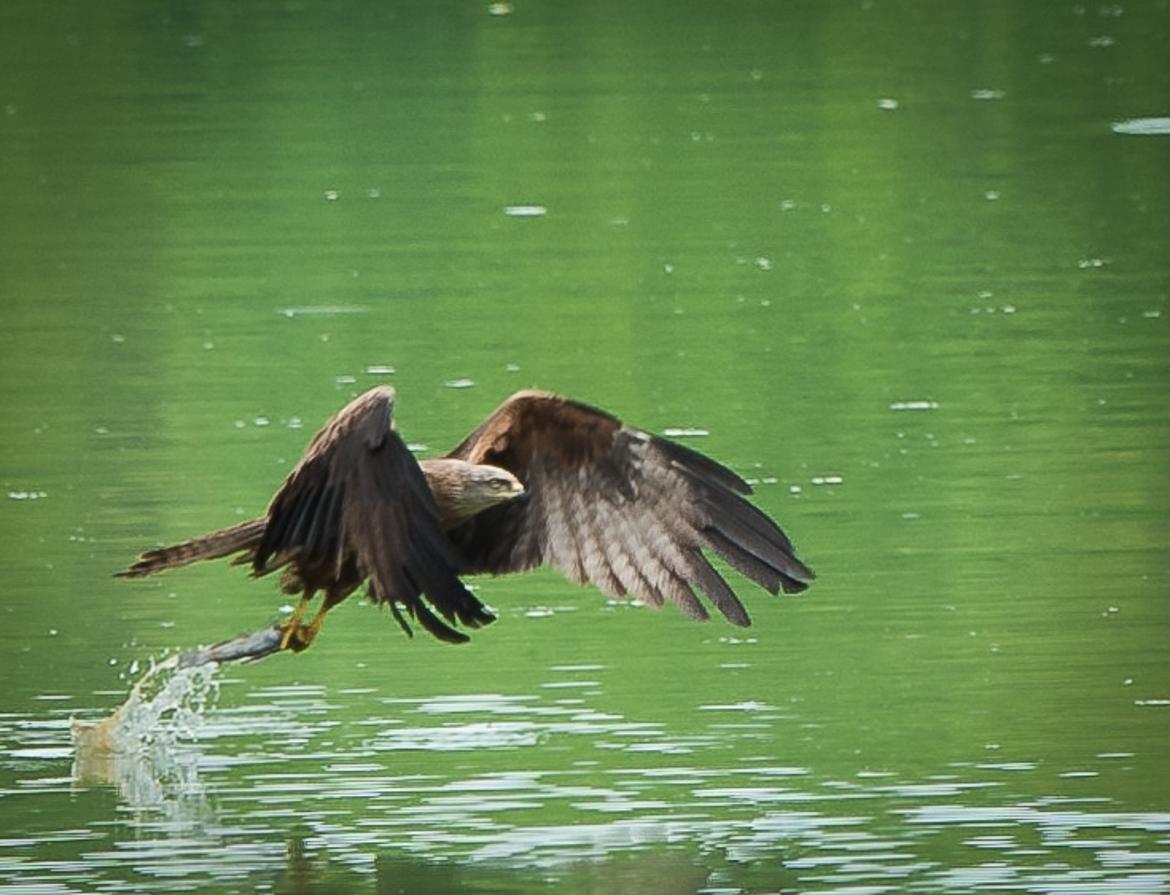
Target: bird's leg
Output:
[(305, 633), (291, 625)]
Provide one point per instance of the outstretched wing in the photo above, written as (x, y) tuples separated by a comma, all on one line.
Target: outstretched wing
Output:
[(357, 506), (626, 511)]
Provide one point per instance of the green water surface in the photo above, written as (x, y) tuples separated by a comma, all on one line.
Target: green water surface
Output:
[(901, 264)]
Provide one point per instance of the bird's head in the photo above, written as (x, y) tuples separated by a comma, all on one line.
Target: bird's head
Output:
[(463, 489), (490, 485)]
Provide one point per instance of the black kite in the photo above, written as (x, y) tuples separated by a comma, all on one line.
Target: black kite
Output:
[(543, 480)]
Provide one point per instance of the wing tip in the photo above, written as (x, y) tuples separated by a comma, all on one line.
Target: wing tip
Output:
[(793, 586), (797, 578)]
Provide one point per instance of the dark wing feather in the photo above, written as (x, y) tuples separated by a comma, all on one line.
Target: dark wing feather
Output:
[(358, 506), (615, 507)]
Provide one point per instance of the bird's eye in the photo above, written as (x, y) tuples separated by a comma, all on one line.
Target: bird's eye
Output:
[(498, 484)]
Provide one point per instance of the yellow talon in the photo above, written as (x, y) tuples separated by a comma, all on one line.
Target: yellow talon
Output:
[(296, 636), (305, 633), (293, 624)]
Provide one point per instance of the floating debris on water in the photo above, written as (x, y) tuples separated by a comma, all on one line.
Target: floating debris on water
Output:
[(986, 94), (345, 379), (525, 211), (321, 311), (685, 432), (914, 405), (416, 447), (459, 383), (512, 368), (1092, 263), (888, 104), (1142, 127), (27, 495), (379, 370), (332, 195), (500, 9), (827, 480)]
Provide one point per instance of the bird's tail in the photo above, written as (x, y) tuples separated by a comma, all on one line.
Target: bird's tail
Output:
[(243, 536)]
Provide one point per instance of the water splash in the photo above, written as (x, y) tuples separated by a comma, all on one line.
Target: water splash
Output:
[(165, 705), (146, 748)]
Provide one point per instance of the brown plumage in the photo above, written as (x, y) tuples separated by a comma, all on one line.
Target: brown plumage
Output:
[(543, 480)]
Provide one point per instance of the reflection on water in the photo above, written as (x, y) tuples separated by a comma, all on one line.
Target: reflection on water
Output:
[(267, 791)]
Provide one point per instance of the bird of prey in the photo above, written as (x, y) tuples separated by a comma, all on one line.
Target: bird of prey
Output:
[(544, 480)]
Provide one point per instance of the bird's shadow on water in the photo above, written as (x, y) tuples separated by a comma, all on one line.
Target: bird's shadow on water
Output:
[(660, 871)]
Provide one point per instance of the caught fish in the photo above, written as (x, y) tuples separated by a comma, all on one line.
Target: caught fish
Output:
[(245, 648)]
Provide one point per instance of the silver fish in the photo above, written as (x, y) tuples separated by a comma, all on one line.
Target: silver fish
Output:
[(244, 648)]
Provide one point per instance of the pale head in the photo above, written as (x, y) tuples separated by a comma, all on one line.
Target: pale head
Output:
[(462, 490)]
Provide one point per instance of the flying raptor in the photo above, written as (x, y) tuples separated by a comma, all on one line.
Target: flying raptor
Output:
[(544, 480)]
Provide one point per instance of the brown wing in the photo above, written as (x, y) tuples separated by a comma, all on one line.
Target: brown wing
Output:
[(621, 509), (357, 506)]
